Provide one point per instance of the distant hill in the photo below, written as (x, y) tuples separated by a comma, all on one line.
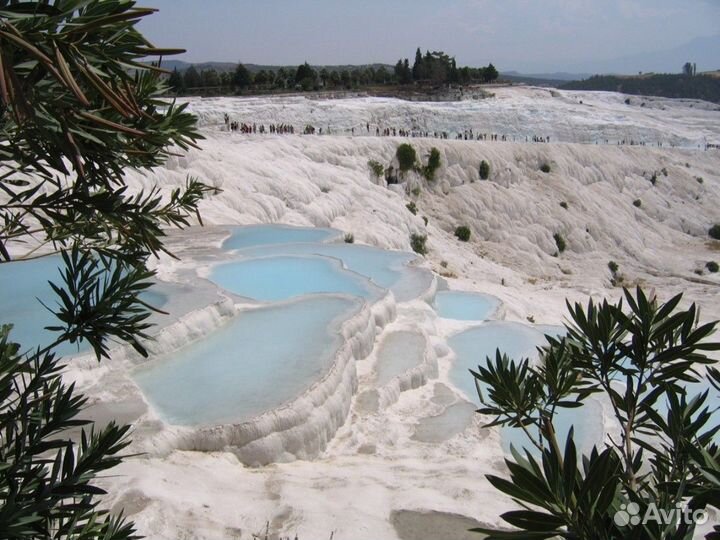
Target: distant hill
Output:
[(181, 66), (556, 76), (534, 80), (705, 87), (704, 51)]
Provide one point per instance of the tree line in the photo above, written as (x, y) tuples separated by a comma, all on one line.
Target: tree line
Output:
[(687, 85), (434, 68), (438, 68)]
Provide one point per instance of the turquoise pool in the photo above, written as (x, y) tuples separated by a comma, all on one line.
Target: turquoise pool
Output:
[(465, 306), (272, 279), (260, 360), (260, 235), (20, 304), (517, 341), (386, 269), (398, 353)]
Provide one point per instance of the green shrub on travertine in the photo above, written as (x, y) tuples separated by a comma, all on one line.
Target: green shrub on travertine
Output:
[(417, 242), (376, 167), (559, 242), (484, 170), (545, 167), (714, 231), (462, 233), (433, 164), (412, 208), (406, 157)]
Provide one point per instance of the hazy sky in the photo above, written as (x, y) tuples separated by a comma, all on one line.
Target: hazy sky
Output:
[(525, 35)]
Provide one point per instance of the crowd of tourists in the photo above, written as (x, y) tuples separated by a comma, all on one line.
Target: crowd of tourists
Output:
[(386, 131)]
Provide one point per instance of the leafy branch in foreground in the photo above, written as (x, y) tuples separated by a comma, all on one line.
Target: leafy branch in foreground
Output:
[(45, 477), (78, 107), (661, 457), (74, 117)]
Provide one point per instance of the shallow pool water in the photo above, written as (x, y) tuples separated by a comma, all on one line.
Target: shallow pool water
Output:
[(258, 361), (517, 341), (398, 353), (465, 306), (20, 304), (260, 235), (453, 420), (472, 346), (387, 269), (694, 389), (272, 279)]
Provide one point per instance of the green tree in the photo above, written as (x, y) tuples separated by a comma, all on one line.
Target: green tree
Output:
[(382, 76), (210, 78), (281, 78), (72, 118), (357, 77), (403, 73), (305, 76), (453, 72), (270, 78), (261, 78), (346, 79), (191, 78), (418, 69), (242, 78), (226, 78), (175, 82), (335, 79), (490, 74), (398, 71), (439, 66), (324, 77), (641, 361)]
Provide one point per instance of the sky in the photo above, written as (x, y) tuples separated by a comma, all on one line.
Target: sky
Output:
[(530, 36)]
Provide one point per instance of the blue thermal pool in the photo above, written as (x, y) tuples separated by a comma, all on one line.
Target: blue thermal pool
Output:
[(272, 279), (260, 235), (465, 306), (693, 389), (518, 341), (453, 420), (386, 269), (399, 352), (262, 359), (20, 304)]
